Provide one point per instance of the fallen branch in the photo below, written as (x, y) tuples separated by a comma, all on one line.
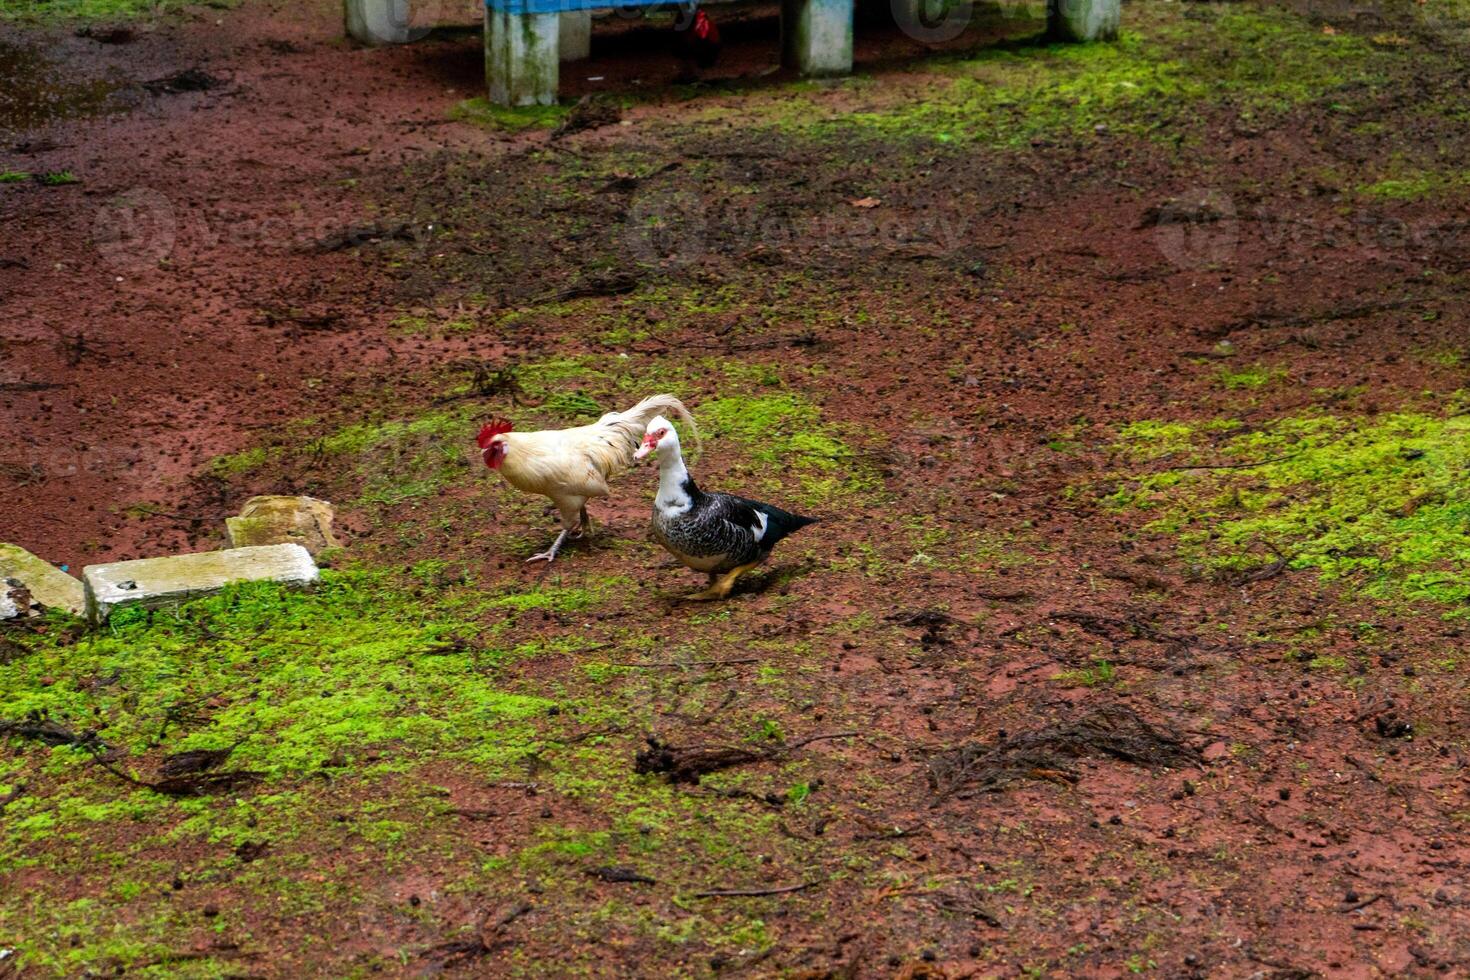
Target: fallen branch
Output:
[(962, 906), (487, 938), (184, 774), (1015, 595), (686, 764), (667, 665), (753, 892), (355, 236), (1228, 466), (618, 874), (1113, 731), (616, 285), (10, 386), (310, 321), (1276, 318), (1364, 903), (44, 730), (1106, 626)]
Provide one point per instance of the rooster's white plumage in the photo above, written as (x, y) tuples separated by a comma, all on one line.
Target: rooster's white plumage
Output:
[(573, 465)]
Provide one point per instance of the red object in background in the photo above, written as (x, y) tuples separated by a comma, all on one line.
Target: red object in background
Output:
[(700, 41)]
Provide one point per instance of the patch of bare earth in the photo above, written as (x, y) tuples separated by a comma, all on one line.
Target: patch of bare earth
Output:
[(1209, 807)]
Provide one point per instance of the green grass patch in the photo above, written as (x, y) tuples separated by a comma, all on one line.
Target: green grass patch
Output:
[(1258, 60), (1380, 503), (1100, 673), (49, 11), (786, 437), (399, 460), (14, 176), (483, 112), (1418, 185), (1252, 376), (295, 678)]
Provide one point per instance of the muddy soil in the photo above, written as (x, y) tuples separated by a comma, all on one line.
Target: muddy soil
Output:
[(316, 233)]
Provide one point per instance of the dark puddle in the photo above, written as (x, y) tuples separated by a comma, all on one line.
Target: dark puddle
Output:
[(36, 91)]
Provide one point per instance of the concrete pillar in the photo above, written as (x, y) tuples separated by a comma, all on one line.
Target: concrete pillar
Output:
[(380, 21), (816, 36), (576, 35), (1083, 20), (521, 57)]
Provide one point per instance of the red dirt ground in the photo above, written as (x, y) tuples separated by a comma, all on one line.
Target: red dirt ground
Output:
[(1303, 844)]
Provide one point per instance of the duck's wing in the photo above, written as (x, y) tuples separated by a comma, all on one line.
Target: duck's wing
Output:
[(743, 518), (773, 522)]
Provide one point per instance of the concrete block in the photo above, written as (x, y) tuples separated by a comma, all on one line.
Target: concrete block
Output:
[(521, 52), (283, 520), (1084, 20), (47, 584), (816, 36), (157, 582), (574, 37)]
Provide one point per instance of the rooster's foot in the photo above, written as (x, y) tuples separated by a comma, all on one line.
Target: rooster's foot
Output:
[(550, 554)]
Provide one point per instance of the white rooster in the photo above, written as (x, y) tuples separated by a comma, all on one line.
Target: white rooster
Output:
[(572, 465)]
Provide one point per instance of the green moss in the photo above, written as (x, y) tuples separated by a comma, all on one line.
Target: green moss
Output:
[(574, 405), (1100, 673), (1416, 186), (558, 599), (1252, 376), (1163, 65), (59, 10), (58, 178), (13, 176), (237, 464), (483, 112), (787, 438), (1151, 438), (400, 460), (357, 663), (1378, 503)]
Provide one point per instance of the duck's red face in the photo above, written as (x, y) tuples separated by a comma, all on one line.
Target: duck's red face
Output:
[(493, 442), (651, 439)]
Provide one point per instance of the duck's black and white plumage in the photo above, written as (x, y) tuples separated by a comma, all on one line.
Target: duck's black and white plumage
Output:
[(718, 533)]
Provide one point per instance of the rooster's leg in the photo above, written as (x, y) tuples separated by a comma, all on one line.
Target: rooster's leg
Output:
[(585, 527), (549, 555)]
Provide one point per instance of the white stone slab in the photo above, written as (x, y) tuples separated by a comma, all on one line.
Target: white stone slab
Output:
[(284, 520), (47, 584), (160, 581)]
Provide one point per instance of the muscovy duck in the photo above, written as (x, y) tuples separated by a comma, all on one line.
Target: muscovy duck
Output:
[(717, 533)]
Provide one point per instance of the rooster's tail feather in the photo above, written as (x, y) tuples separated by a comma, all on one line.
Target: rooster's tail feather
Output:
[(640, 414)]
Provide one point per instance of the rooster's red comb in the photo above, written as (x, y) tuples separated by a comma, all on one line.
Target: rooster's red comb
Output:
[(491, 429)]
